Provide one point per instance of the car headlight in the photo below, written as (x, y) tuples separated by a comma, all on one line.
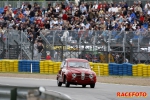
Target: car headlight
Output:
[(91, 76), (74, 75)]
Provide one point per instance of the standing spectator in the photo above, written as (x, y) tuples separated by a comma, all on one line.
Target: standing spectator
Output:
[(126, 60), (40, 48), (35, 57), (39, 40)]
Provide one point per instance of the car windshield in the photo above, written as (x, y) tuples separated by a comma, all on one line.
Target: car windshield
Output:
[(79, 64)]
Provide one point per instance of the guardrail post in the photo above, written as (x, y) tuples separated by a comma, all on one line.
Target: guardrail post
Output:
[(13, 94), (8, 93)]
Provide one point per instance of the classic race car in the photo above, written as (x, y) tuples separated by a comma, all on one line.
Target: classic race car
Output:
[(77, 72)]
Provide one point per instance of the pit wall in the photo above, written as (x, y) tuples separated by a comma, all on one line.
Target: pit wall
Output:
[(50, 67)]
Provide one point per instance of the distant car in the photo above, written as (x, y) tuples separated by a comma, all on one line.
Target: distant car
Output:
[(77, 72)]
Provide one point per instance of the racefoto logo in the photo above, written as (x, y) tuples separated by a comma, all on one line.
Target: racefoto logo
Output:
[(131, 94)]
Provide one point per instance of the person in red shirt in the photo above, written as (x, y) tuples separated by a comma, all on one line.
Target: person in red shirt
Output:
[(67, 8), (142, 18), (38, 21), (41, 24), (65, 16), (100, 5), (48, 57), (6, 8)]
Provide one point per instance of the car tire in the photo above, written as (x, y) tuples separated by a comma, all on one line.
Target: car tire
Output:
[(92, 85), (67, 84), (83, 86), (59, 83)]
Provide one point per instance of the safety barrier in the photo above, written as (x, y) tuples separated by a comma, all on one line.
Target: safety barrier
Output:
[(10, 92), (120, 69), (29, 66), (9, 65), (141, 70), (50, 67), (100, 68)]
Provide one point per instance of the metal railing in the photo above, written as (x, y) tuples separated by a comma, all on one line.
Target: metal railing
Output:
[(17, 4), (2, 48), (113, 42), (11, 92)]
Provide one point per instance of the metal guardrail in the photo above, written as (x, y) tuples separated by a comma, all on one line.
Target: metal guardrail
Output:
[(53, 95), (8, 92)]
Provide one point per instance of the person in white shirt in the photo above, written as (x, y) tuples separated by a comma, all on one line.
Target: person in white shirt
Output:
[(55, 21), (147, 5), (27, 12), (126, 60), (110, 9), (83, 8), (65, 35), (95, 6), (57, 8)]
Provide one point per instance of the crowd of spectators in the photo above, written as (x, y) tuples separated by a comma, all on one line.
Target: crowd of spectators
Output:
[(85, 16)]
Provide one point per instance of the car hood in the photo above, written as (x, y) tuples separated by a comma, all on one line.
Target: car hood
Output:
[(80, 70)]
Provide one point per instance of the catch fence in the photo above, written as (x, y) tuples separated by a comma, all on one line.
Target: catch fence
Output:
[(96, 46)]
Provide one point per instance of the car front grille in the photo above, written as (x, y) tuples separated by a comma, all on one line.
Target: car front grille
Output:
[(84, 78)]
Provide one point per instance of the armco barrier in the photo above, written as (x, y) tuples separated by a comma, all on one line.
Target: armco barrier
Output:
[(53, 95), (50, 67), (8, 92)]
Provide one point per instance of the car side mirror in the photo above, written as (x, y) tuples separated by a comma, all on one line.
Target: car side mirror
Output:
[(91, 68)]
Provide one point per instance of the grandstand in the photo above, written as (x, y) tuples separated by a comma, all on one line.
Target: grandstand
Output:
[(98, 30)]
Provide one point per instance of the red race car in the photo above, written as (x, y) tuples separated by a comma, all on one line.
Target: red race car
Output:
[(77, 72)]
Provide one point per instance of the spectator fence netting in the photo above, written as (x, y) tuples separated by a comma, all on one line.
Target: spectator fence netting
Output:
[(78, 44), (97, 32)]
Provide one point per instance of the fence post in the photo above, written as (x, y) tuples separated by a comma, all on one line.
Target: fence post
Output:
[(32, 48), (17, 48), (62, 50), (21, 44)]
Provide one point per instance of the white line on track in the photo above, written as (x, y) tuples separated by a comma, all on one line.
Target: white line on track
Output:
[(60, 93), (5, 84), (29, 78)]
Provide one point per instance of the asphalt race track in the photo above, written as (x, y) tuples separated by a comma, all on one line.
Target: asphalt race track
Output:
[(102, 91)]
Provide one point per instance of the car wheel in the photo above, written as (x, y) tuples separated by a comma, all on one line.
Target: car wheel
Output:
[(67, 83), (92, 85), (59, 83), (83, 86)]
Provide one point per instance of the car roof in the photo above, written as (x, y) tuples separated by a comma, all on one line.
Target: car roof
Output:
[(76, 59)]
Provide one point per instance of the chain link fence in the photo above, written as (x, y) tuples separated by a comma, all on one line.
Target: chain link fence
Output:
[(96, 46)]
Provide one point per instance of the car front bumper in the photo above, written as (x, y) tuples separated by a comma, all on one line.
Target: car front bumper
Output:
[(82, 82)]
